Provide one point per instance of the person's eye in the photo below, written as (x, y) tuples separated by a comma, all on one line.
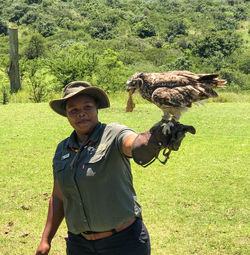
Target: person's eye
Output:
[(88, 107), (73, 112)]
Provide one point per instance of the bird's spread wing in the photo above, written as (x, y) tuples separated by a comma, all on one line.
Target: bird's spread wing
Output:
[(182, 96)]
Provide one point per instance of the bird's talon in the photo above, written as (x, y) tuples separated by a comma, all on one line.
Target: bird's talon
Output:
[(166, 130)]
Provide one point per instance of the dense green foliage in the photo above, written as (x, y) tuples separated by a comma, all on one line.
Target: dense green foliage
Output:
[(105, 41)]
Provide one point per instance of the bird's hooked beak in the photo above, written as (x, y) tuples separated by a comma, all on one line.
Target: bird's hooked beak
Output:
[(128, 87), (130, 90), (133, 84)]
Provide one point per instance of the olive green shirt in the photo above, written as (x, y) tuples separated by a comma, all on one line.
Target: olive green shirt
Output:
[(96, 181)]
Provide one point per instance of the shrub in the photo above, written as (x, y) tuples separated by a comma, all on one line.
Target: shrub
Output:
[(110, 72), (29, 18), (144, 29), (100, 29), (176, 27), (46, 27), (236, 80), (73, 63), (214, 42), (35, 78), (17, 11), (35, 48)]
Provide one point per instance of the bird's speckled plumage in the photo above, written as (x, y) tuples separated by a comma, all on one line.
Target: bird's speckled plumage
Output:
[(175, 91)]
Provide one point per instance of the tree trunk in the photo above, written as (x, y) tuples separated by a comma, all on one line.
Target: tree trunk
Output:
[(13, 71)]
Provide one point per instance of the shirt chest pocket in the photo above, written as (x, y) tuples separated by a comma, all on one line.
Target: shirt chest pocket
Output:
[(59, 171), (97, 157), (94, 164)]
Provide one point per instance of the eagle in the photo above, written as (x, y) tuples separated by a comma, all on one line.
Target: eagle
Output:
[(173, 92)]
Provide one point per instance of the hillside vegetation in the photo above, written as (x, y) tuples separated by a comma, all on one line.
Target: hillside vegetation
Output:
[(196, 204), (106, 41)]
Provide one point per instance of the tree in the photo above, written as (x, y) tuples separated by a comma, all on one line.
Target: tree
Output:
[(176, 27), (214, 42), (244, 63), (35, 76), (144, 29), (17, 11), (46, 27), (110, 72), (100, 29), (36, 47), (29, 18), (73, 63)]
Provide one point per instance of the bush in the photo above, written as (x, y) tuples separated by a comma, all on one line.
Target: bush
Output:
[(17, 11), (244, 63), (100, 29), (35, 48), (144, 29), (176, 27), (214, 42), (29, 18), (73, 63), (35, 78), (46, 27), (236, 80), (110, 72)]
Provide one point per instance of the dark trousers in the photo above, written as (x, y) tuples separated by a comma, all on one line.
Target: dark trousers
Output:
[(133, 240)]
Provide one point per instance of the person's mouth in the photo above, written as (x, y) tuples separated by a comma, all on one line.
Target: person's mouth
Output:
[(83, 121)]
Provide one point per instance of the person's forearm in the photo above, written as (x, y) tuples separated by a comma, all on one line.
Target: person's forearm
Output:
[(54, 219)]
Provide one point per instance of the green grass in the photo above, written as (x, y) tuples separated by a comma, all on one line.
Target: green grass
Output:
[(198, 203)]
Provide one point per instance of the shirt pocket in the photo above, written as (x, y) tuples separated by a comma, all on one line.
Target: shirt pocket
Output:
[(94, 165), (98, 156), (58, 168)]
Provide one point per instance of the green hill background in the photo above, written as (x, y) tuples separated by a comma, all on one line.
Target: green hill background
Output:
[(106, 41)]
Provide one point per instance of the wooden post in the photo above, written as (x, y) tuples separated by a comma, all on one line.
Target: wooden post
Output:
[(13, 71)]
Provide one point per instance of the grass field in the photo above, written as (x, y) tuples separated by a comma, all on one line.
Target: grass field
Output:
[(198, 203)]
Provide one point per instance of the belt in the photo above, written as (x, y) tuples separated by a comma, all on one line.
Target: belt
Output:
[(100, 235)]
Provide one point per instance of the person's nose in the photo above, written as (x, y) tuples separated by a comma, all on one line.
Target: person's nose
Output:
[(82, 113)]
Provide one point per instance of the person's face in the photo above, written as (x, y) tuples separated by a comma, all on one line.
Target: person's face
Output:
[(81, 112)]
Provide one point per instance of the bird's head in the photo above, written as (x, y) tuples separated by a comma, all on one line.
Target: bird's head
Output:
[(134, 82)]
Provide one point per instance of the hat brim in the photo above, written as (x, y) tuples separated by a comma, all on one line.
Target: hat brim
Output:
[(58, 105)]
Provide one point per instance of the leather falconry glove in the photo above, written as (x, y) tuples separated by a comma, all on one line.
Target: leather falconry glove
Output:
[(147, 145)]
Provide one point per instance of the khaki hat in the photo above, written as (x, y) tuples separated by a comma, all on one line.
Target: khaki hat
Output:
[(76, 88)]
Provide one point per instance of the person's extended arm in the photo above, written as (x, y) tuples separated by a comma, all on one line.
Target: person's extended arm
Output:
[(54, 219)]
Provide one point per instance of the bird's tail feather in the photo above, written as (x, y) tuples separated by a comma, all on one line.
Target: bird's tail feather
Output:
[(211, 80)]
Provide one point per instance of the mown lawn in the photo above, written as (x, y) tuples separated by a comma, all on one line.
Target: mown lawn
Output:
[(198, 203)]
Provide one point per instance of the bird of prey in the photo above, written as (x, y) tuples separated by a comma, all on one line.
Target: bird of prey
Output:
[(174, 91)]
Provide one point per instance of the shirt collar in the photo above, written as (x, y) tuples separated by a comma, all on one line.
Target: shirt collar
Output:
[(95, 135)]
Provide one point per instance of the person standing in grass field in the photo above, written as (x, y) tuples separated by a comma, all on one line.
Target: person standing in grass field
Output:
[(93, 187)]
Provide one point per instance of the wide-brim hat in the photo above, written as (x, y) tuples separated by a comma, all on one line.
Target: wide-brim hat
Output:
[(76, 88)]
